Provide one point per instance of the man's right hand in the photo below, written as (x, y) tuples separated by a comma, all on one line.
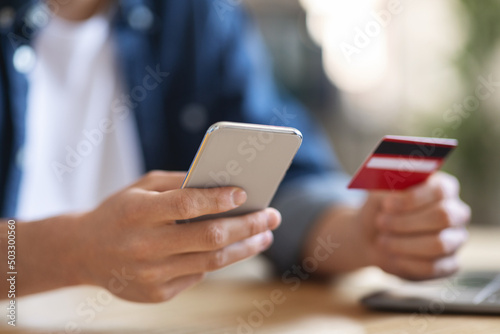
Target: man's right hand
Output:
[(134, 233)]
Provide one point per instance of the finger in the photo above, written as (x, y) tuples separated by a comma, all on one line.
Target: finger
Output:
[(444, 214), (182, 204), (429, 246), (439, 186), (419, 269), (172, 288), (160, 181), (192, 263), (212, 234)]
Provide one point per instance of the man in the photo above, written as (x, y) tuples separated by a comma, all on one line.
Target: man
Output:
[(95, 93)]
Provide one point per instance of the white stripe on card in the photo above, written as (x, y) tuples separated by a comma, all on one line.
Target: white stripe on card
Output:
[(404, 164)]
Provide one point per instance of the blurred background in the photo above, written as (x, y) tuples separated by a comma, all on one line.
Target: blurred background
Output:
[(367, 68)]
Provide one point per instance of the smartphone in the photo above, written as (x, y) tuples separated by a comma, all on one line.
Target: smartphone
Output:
[(250, 156)]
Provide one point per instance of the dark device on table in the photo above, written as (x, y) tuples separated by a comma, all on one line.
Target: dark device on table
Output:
[(469, 292)]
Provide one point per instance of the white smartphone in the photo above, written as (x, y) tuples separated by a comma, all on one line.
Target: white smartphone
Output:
[(250, 156)]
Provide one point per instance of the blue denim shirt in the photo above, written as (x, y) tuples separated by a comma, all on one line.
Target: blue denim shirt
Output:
[(186, 64)]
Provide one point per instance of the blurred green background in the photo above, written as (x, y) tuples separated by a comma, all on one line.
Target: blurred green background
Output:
[(367, 68)]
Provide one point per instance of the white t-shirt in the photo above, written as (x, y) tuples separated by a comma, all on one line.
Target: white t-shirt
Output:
[(81, 143), (81, 146)]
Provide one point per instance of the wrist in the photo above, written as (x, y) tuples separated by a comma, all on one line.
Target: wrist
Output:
[(80, 249), (342, 226), (360, 238), (353, 236), (66, 247), (50, 254)]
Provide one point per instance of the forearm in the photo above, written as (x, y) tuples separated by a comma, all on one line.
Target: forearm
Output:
[(303, 203), (337, 226), (47, 255)]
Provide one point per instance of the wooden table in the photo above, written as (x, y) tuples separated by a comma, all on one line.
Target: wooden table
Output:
[(227, 303)]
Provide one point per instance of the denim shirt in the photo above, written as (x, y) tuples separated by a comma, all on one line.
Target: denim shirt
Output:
[(185, 65)]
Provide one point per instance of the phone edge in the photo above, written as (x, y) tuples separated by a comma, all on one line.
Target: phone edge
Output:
[(233, 125)]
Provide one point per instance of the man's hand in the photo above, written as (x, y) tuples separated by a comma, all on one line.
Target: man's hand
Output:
[(133, 234), (414, 233), (137, 232)]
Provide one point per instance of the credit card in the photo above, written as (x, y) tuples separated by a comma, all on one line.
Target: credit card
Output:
[(400, 162)]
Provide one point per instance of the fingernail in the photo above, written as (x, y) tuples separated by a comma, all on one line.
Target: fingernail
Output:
[(453, 238), (239, 196), (273, 218)]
